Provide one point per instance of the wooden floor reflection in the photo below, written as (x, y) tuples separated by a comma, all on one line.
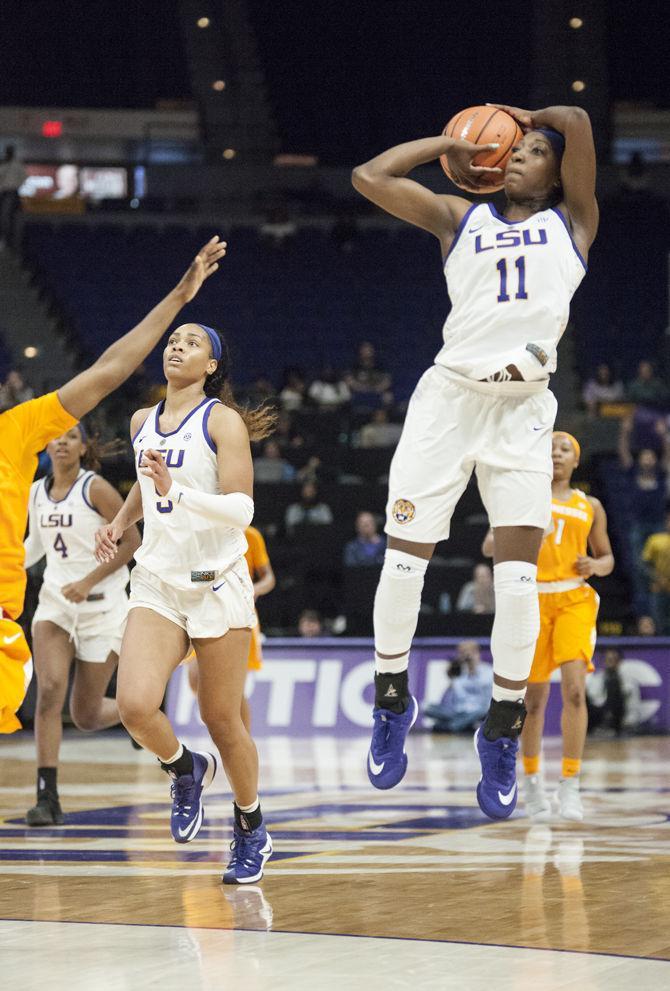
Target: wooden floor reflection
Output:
[(419, 862)]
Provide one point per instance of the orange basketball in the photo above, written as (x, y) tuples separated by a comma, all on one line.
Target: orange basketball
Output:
[(483, 126)]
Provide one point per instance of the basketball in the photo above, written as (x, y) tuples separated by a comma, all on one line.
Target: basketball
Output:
[(483, 126)]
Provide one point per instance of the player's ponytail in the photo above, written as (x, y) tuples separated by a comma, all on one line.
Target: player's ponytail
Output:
[(260, 421), (98, 450)]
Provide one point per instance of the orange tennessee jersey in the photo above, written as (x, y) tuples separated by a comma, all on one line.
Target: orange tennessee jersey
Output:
[(568, 540), (257, 554), (24, 431)]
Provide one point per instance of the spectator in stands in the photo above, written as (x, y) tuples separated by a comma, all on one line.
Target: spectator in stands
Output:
[(467, 698), (646, 389), (656, 557), (646, 627), (329, 390), (602, 389), (613, 697), (310, 511), (477, 596), (14, 391), (647, 481), (380, 432), (309, 624), (294, 389), (368, 547), (12, 177), (271, 467), (286, 434), (369, 384)]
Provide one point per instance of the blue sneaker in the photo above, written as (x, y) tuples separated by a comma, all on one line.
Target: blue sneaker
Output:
[(497, 788), (387, 760), (250, 851), (186, 792)]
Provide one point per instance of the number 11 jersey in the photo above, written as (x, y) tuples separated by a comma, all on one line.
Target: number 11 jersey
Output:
[(510, 285)]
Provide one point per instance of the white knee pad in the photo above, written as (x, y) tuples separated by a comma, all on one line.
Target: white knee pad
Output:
[(517, 619), (397, 604)]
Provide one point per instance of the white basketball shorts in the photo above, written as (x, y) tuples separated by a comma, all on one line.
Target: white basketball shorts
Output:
[(455, 425), (95, 634), (207, 610)]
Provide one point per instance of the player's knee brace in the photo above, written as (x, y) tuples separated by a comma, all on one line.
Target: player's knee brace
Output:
[(517, 619), (397, 603)]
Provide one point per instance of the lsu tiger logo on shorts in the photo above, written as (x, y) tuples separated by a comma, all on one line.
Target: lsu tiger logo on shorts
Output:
[(403, 511)]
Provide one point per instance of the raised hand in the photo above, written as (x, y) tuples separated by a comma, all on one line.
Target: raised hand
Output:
[(524, 118), (205, 263), (153, 466), (459, 158)]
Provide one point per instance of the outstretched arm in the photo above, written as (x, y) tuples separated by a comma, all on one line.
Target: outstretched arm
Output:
[(383, 181), (578, 166), (82, 393)]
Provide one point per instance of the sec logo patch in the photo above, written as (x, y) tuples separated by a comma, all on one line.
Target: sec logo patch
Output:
[(403, 511)]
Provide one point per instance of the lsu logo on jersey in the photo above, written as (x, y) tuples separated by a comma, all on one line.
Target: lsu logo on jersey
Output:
[(56, 520), (173, 458), (403, 511), (511, 239)]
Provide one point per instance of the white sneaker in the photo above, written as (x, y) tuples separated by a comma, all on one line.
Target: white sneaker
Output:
[(569, 800), (536, 800)]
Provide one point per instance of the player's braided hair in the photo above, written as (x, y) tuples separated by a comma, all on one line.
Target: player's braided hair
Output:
[(98, 450), (260, 421)]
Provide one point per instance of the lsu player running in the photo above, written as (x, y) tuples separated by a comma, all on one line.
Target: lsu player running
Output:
[(568, 611), (484, 406), (27, 428), (191, 583), (263, 578), (82, 605)]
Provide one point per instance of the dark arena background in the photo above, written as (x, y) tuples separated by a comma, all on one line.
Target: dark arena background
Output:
[(131, 133)]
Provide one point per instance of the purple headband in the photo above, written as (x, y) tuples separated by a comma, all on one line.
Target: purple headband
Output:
[(214, 340), (555, 139), (82, 431)]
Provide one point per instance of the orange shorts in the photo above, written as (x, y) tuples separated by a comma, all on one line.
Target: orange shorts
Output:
[(567, 630), (15, 673), (255, 659)]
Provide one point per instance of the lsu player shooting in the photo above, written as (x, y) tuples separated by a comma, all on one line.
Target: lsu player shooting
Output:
[(568, 612)]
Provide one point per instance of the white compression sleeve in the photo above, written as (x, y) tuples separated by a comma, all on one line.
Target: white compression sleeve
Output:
[(396, 609), (517, 619), (234, 509)]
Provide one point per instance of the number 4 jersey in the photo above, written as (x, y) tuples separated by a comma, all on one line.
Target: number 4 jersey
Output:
[(510, 285), (64, 531)]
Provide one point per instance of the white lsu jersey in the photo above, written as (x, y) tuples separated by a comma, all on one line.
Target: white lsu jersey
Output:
[(178, 546), (510, 285), (64, 531)]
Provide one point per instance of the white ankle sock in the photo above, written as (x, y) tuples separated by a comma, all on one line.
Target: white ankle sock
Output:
[(501, 694), (249, 808), (174, 757)]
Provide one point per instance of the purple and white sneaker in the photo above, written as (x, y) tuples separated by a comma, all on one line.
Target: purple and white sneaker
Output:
[(497, 789), (186, 792), (250, 851), (387, 760)]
